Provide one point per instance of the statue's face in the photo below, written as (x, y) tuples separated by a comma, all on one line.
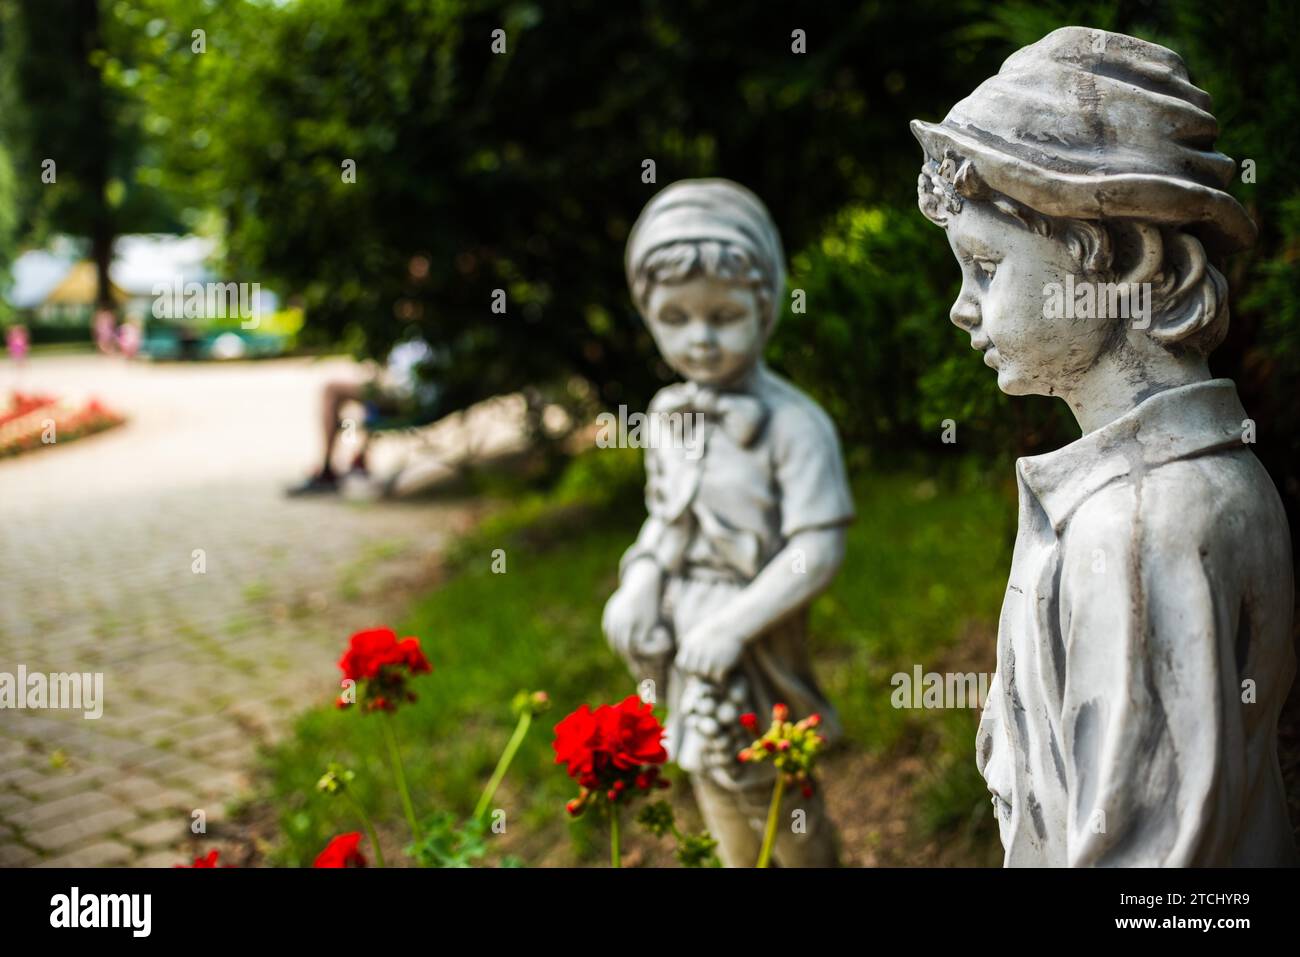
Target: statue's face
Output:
[(707, 330), (1006, 271)]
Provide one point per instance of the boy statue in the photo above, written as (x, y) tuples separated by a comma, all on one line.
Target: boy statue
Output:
[(1144, 648), (746, 517)]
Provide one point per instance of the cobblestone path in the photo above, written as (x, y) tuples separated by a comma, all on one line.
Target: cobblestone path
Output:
[(163, 555)]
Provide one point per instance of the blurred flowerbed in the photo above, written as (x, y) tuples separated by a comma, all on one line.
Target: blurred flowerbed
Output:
[(30, 421)]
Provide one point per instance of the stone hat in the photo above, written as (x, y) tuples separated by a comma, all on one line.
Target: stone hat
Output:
[(1095, 125), (708, 209)]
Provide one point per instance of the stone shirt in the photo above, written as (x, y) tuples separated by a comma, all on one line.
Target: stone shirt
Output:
[(731, 501), (1151, 578)]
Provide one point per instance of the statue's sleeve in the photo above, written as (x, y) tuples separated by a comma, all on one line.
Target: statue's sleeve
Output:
[(1142, 724), (809, 470)]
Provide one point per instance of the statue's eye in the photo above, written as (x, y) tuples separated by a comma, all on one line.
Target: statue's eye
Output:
[(723, 317), (672, 316), (987, 268)]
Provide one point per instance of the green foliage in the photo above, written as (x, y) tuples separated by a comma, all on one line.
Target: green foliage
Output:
[(8, 226), (876, 348), (59, 101), (446, 842), (692, 850)]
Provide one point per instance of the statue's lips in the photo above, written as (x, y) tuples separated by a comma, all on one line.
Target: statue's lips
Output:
[(990, 351)]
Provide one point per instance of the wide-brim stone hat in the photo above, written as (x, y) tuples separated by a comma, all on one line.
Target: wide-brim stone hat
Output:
[(697, 210), (1089, 124)]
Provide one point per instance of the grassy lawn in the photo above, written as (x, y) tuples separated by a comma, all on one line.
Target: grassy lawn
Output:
[(921, 585)]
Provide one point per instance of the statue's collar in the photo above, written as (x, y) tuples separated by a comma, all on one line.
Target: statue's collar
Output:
[(1175, 424)]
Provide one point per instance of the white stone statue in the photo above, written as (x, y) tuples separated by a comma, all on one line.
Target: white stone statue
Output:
[(747, 512), (1144, 648)]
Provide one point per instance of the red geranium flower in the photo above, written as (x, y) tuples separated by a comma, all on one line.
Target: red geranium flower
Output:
[(607, 750), (378, 658), (342, 851), (208, 860)]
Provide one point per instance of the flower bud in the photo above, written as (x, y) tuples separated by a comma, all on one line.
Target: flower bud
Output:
[(780, 712)]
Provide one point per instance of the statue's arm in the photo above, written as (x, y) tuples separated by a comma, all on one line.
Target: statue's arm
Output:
[(795, 575)]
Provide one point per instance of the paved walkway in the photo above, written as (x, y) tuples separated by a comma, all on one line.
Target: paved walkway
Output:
[(98, 544)]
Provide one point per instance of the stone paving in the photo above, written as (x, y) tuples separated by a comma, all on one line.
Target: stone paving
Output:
[(163, 555)]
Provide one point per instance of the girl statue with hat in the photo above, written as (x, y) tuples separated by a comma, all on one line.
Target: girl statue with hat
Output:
[(1144, 648), (746, 520)]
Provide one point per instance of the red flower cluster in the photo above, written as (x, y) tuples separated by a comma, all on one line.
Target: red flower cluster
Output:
[(612, 751), (342, 851), (792, 747), (384, 663), (208, 860)]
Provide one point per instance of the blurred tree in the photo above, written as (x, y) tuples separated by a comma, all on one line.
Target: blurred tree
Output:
[(8, 226), (73, 136), (521, 170)]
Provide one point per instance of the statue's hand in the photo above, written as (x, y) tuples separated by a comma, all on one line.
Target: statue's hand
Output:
[(633, 610), (710, 649)]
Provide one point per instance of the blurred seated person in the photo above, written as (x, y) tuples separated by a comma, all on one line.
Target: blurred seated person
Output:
[(402, 391)]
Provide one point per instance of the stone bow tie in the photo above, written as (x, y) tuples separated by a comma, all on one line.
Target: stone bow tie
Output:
[(741, 416)]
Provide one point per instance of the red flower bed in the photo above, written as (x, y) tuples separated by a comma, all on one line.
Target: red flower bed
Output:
[(22, 403), (30, 421)]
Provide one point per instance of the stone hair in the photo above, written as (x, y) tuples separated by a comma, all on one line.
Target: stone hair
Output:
[(682, 261), (1188, 295)]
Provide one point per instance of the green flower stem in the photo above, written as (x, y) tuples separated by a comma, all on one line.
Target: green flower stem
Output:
[(773, 815), (615, 858), (503, 765), (395, 758), (367, 824)]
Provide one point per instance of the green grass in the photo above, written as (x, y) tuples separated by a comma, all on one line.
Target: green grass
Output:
[(926, 562)]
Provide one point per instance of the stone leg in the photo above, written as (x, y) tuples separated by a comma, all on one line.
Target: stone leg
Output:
[(736, 820)]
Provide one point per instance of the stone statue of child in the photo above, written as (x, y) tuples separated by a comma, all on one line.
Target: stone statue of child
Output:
[(746, 520), (1144, 649)]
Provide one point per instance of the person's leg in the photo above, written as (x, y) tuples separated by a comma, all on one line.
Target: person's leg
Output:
[(335, 395), (359, 459), (730, 819)]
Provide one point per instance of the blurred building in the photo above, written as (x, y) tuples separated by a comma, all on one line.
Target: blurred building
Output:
[(54, 293), (54, 289)]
